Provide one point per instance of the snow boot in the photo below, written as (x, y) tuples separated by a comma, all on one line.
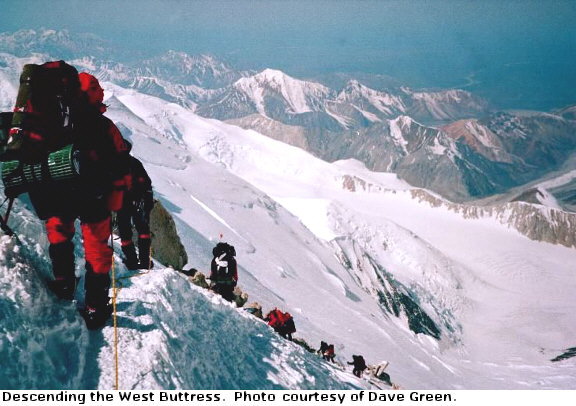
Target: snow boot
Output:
[(64, 289), (63, 268), (144, 245), (98, 308), (96, 318), (130, 258)]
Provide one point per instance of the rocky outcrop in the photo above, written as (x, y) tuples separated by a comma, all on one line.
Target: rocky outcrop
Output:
[(166, 245), (397, 302), (395, 298), (536, 222)]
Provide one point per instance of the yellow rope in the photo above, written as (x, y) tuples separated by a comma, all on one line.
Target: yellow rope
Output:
[(116, 385), (114, 296)]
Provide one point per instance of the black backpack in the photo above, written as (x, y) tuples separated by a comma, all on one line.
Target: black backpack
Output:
[(225, 252), (36, 139), (47, 105), (223, 248)]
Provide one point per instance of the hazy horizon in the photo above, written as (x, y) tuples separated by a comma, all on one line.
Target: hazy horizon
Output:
[(519, 54)]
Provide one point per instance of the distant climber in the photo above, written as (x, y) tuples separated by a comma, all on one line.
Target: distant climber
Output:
[(274, 319), (136, 207), (377, 371), (288, 327), (359, 365), (224, 271), (323, 347), (329, 354), (282, 323)]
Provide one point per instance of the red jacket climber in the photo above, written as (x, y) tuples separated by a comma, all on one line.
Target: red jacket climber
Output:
[(103, 156)]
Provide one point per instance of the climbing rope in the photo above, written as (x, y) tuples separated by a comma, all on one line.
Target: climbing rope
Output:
[(115, 291), (114, 294)]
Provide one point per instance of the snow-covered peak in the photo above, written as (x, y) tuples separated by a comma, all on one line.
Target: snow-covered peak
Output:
[(181, 68), (300, 96), (280, 80), (366, 98)]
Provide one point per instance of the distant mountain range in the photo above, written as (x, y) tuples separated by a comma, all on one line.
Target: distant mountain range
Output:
[(449, 141)]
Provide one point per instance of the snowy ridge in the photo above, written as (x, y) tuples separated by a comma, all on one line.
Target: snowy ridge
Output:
[(443, 105), (25, 42), (361, 95), (46, 344), (542, 223)]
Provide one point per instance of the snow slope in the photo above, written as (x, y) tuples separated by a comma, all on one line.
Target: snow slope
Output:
[(469, 278), (169, 333)]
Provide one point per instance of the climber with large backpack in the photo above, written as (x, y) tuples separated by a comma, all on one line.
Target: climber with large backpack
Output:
[(136, 208), (224, 270), (287, 327), (274, 319), (58, 122), (329, 353), (359, 365), (282, 323)]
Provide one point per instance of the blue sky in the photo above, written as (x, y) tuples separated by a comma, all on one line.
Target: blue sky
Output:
[(504, 49)]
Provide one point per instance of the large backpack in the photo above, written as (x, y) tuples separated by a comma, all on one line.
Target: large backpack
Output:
[(223, 248), (223, 254), (44, 120), (289, 326), (224, 272), (47, 103)]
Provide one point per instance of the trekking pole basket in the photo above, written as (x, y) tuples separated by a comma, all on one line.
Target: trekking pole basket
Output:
[(59, 166)]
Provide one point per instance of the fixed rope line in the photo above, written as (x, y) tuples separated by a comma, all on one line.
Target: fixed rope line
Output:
[(115, 291), (114, 294)]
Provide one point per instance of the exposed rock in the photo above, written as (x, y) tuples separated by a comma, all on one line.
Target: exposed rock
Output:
[(569, 353), (535, 222), (166, 244), (292, 135), (395, 298)]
